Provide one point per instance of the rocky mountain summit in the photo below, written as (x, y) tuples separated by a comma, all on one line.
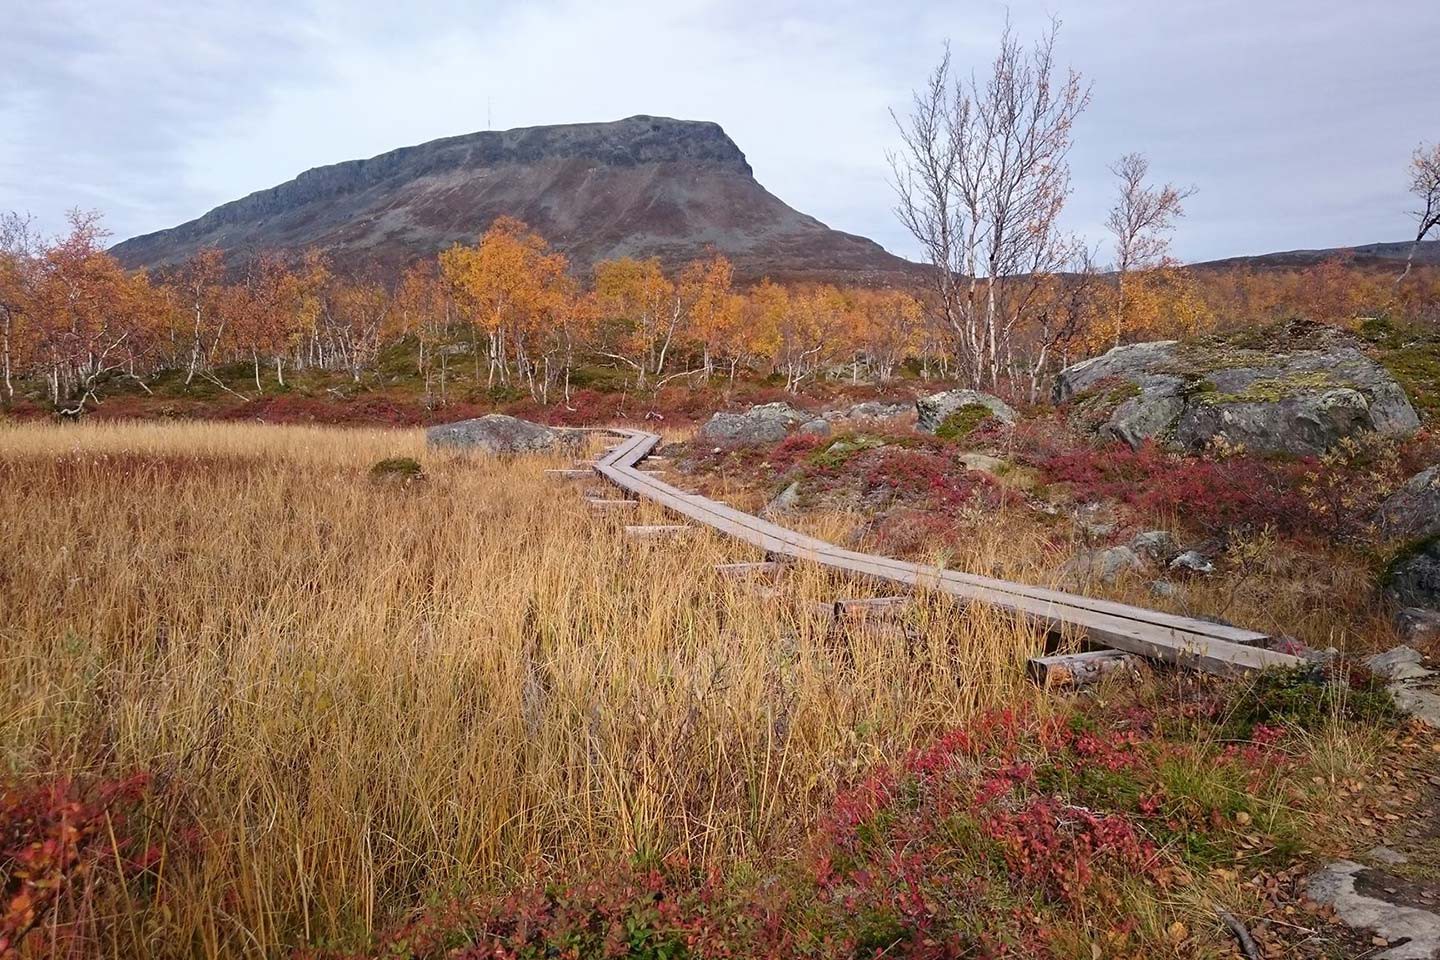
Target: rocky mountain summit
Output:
[(643, 186)]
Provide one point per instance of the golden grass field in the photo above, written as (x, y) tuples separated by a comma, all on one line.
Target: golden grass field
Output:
[(367, 694)]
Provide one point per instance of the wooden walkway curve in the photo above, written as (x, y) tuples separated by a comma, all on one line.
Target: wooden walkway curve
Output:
[(1184, 641)]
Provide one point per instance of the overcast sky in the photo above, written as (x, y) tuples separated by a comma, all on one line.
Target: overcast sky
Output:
[(1294, 120)]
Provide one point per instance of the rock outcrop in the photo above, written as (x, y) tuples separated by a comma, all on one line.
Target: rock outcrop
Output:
[(766, 423), (643, 186), (1298, 402), (496, 433), (933, 411)]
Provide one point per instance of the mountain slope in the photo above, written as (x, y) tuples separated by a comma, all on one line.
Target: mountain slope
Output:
[(1365, 255), (643, 186)]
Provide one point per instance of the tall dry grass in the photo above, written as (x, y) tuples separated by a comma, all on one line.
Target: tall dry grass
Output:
[(366, 694)]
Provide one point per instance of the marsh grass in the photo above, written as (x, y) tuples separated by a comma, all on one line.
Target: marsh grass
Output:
[(360, 696)]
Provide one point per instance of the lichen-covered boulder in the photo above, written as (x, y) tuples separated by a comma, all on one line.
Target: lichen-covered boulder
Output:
[(1298, 401), (1130, 363), (496, 433), (932, 412), (1413, 511), (766, 423), (1157, 401)]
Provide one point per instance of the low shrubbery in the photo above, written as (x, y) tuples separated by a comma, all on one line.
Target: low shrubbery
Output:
[(1021, 835), (62, 843)]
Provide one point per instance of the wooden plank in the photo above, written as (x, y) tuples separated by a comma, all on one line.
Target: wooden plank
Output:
[(788, 542), (658, 530), (1081, 669), (571, 474), (613, 504), (768, 569), (873, 609), (1182, 640)]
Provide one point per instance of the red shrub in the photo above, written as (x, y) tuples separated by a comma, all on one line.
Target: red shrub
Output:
[(58, 841), (1215, 496)]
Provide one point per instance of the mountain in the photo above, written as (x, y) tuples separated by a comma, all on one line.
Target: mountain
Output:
[(644, 186), (1365, 255)]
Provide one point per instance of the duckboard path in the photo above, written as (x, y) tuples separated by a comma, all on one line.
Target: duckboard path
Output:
[(1182, 641)]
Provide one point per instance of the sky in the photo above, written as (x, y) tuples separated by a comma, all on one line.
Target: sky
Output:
[(1293, 121)]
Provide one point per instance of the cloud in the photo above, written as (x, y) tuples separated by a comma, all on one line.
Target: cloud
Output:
[(1294, 120)]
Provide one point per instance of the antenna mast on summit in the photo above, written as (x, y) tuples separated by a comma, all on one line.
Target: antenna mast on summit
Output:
[(489, 122)]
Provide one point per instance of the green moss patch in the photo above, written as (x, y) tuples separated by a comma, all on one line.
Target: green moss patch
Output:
[(397, 470), (1413, 358), (1272, 389), (963, 422)]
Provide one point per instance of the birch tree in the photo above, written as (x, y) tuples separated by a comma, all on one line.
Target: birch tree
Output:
[(981, 179), (1141, 222), (1425, 185)]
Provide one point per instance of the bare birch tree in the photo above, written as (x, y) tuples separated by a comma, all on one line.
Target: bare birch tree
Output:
[(18, 253), (1425, 184), (1141, 222), (981, 178)]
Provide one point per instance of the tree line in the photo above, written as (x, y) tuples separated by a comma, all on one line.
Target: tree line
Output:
[(72, 318), (511, 308)]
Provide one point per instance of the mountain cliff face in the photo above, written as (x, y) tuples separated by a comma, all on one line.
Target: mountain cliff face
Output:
[(644, 186)]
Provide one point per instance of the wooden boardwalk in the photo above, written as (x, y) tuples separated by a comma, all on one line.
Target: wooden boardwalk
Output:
[(1185, 641)]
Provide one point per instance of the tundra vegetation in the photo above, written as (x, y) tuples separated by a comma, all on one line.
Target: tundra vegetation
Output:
[(503, 323), (324, 692), (255, 701)]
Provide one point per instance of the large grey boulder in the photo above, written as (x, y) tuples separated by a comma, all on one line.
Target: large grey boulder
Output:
[(766, 423), (1299, 402), (496, 433), (1149, 413), (1414, 579), (1413, 511), (932, 411), (1130, 363)]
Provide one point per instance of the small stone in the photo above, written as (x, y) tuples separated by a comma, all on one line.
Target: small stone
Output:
[(818, 427), (1418, 625), (1156, 545), (765, 423), (872, 410), (496, 433), (1387, 856), (1420, 704), (1413, 511), (1097, 520), (787, 501), (1192, 561), (1163, 588), (932, 411), (981, 462), (1106, 566), (1397, 663)]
